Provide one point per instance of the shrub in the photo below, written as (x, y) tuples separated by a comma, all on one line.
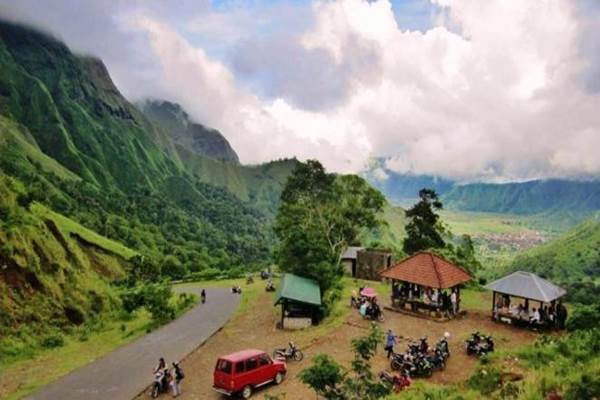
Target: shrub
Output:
[(52, 341), (485, 379), (584, 317), (587, 388)]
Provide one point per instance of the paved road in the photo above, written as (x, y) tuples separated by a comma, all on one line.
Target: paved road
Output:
[(125, 372)]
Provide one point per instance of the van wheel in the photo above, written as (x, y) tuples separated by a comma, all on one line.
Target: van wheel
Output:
[(247, 392), (278, 378)]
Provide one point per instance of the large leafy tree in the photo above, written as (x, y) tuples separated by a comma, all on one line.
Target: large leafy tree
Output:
[(424, 230), (319, 215)]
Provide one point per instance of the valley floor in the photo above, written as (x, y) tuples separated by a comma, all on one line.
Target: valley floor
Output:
[(255, 328)]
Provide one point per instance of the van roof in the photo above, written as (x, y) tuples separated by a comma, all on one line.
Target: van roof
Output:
[(242, 355)]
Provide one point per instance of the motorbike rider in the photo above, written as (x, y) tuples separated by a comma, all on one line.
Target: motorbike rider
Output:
[(161, 372), (423, 345)]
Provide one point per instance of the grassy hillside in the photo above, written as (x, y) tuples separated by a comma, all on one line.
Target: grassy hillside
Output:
[(54, 271), (568, 258)]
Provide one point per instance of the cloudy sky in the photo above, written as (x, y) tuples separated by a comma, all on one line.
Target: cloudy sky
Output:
[(467, 89)]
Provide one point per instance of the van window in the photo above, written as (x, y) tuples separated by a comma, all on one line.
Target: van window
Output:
[(239, 367), (251, 363), (264, 360), (224, 366)]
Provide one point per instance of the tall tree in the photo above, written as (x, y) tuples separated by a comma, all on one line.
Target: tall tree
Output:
[(424, 230), (319, 215)]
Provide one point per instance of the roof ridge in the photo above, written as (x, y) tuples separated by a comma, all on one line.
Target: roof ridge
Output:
[(542, 292), (435, 268)]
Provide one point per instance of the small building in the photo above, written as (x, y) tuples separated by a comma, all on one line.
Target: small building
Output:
[(511, 301), (420, 283), (300, 299), (365, 263), (349, 260)]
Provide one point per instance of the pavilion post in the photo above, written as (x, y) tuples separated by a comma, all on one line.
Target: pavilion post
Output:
[(493, 302)]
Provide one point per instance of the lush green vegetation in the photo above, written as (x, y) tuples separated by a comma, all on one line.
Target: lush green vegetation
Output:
[(533, 197), (321, 214)]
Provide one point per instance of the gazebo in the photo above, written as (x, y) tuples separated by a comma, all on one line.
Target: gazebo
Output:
[(421, 282), (526, 286), (300, 299)]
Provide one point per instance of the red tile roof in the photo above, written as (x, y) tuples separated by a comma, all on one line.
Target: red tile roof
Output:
[(427, 269)]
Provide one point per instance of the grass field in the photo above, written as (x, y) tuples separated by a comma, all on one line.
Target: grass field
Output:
[(70, 227)]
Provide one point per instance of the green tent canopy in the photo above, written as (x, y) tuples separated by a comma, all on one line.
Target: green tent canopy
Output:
[(297, 289)]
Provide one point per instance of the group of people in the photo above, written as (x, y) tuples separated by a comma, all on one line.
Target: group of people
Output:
[(447, 301), (169, 377), (553, 314), (367, 306)]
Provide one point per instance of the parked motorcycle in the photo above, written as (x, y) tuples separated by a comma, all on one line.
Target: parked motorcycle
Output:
[(479, 344), (291, 352), (437, 360), (398, 382), (270, 287), (419, 367), (160, 384), (443, 347)]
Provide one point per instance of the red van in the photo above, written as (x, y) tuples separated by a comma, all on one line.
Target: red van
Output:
[(246, 370)]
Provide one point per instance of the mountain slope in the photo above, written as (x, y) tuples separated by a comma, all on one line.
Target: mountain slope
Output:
[(188, 134), (73, 147), (571, 257), (53, 271), (258, 185), (541, 196)]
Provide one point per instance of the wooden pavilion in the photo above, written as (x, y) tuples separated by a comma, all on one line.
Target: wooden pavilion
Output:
[(425, 283), (522, 287)]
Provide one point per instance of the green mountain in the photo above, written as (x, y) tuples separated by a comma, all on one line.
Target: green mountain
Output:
[(570, 258), (258, 185), (186, 133), (533, 197), (72, 149)]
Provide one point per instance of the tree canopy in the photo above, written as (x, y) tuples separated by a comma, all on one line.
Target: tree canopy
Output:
[(424, 230), (319, 215)]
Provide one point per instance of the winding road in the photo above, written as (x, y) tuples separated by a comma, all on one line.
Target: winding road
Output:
[(127, 371)]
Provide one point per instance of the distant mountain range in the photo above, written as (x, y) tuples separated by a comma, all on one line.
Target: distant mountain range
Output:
[(527, 198)]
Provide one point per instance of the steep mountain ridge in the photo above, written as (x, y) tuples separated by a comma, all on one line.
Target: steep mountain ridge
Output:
[(74, 150), (187, 133)]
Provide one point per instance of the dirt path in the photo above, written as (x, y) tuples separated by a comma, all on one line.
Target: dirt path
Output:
[(124, 373), (256, 329)]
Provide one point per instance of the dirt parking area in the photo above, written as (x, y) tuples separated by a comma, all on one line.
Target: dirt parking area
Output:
[(256, 329)]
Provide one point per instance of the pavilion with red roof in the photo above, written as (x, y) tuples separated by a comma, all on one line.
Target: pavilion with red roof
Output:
[(421, 282)]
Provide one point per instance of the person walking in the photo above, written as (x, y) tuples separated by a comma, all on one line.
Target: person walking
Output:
[(203, 296), (177, 377), (390, 341)]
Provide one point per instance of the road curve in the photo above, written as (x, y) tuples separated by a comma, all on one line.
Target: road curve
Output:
[(124, 373)]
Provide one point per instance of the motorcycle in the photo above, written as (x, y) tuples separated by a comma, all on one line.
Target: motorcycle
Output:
[(479, 345), (398, 382), (398, 360), (437, 361), (270, 287), (420, 367), (291, 352), (160, 384)]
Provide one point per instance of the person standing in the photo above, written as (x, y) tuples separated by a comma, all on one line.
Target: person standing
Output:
[(390, 341), (454, 301), (203, 296), (177, 377)]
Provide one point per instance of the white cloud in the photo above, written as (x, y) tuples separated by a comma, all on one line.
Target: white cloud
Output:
[(495, 89)]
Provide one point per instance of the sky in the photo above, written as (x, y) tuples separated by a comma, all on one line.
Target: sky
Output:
[(472, 90)]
